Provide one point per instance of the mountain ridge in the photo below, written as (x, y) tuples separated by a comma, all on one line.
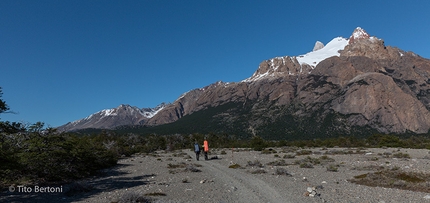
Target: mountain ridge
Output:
[(352, 78)]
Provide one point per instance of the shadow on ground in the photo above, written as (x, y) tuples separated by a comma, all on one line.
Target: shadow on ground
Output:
[(107, 181)]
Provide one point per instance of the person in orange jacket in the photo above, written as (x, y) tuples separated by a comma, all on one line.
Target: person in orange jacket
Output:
[(205, 148)]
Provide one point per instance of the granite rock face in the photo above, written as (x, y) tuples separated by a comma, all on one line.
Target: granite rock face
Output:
[(318, 45), (369, 83)]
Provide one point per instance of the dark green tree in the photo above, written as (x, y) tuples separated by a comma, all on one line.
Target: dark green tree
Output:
[(3, 106)]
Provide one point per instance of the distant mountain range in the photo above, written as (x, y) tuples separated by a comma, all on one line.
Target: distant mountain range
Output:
[(111, 118), (352, 85)]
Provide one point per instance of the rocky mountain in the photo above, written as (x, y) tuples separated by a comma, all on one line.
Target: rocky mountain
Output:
[(111, 118), (350, 85)]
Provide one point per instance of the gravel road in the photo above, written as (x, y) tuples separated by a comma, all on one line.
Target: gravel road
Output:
[(178, 177)]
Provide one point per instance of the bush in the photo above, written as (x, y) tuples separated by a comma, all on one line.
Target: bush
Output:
[(401, 155), (257, 143), (282, 171), (332, 168), (235, 166), (258, 171), (191, 168), (289, 156), (255, 163), (47, 156), (395, 179), (303, 152), (278, 163), (306, 165)]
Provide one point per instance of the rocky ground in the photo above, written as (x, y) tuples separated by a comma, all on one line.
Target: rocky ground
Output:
[(241, 175)]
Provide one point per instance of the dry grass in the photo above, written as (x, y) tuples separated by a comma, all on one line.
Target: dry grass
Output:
[(235, 166), (280, 162), (401, 155), (395, 179), (309, 162), (185, 166), (303, 152)]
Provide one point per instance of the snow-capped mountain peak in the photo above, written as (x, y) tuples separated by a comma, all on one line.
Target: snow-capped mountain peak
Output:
[(124, 114), (303, 63), (358, 34)]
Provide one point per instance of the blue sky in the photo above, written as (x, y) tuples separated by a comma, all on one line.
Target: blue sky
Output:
[(63, 60)]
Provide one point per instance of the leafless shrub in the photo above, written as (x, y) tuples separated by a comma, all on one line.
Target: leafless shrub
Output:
[(259, 171), (255, 163), (109, 144), (180, 165), (282, 171), (278, 163), (306, 165), (332, 168), (191, 168)]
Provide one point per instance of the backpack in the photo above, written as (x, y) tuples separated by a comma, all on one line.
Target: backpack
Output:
[(196, 147)]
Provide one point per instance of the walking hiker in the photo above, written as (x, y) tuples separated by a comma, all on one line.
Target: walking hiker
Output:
[(197, 150), (205, 148)]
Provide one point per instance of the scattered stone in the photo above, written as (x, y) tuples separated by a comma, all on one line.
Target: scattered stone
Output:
[(202, 181), (312, 191), (427, 197)]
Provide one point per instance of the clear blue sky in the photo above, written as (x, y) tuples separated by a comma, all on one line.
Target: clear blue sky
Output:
[(63, 60)]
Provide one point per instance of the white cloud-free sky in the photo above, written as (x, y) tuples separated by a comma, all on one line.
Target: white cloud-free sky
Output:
[(63, 60)]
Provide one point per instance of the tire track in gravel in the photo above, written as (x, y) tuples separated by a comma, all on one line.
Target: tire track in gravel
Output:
[(245, 187)]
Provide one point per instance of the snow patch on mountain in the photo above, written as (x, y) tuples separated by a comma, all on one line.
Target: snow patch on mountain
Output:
[(108, 112), (331, 49), (151, 112), (312, 59)]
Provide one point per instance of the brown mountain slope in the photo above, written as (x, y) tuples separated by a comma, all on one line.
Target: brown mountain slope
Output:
[(363, 84)]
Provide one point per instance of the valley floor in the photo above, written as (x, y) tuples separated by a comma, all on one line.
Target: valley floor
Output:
[(241, 175)]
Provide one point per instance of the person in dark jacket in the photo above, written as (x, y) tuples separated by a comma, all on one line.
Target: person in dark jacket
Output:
[(197, 150)]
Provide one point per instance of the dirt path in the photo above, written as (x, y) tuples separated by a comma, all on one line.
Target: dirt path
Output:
[(246, 187), (166, 177)]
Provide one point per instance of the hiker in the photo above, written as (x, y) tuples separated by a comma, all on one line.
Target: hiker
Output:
[(197, 150), (205, 148)]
